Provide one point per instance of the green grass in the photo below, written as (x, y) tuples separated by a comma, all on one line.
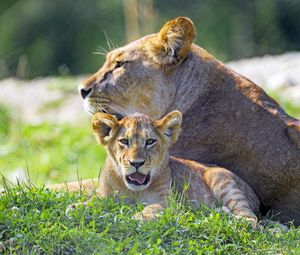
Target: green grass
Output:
[(51, 153), (33, 221)]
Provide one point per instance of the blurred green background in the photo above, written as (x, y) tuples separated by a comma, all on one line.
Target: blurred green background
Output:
[(42, 37), (58, 38)]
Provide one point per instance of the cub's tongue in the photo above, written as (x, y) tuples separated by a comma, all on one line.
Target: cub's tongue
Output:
[(140, 178)]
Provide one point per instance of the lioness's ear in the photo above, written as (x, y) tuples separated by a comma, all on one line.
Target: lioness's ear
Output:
[(104, 127), (169, 126), (173, 42)]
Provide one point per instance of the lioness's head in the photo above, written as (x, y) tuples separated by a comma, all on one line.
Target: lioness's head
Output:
[(137, 144), (136, 77)]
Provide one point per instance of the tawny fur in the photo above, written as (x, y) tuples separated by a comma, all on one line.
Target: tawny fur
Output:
[(197, 183), (227, 119)]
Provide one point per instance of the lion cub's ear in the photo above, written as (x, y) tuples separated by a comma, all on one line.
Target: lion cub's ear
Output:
[(169, 126), (173, 41), (104, 126)]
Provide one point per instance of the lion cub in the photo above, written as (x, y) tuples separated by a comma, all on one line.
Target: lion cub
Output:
[(139, 168)]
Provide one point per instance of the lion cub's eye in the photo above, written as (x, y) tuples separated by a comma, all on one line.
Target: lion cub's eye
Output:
[(124, 141), (120, 63), (150, 142)]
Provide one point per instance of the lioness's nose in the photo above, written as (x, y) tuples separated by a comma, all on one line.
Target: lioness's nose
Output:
[(137, 164), (86, 86), (84, 92)]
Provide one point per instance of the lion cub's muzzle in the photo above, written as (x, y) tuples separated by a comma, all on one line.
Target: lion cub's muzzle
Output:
[(137, 178)]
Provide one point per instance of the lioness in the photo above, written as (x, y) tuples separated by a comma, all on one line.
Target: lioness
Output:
[(227, 119), (138, 167)]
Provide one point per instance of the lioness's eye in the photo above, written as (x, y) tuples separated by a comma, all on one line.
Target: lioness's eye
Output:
[(124, 141), (120, 63), (150, 142)]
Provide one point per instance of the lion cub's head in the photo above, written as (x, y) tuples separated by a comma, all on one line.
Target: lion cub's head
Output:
[(137, 144)]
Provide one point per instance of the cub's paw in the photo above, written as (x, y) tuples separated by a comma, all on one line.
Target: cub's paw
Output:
[(141, 216), (254, 222), (138, 216), (150, 212), (245, 215), (251, 218)]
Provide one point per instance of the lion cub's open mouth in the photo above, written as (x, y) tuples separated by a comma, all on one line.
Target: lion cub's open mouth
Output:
[(138, 179)]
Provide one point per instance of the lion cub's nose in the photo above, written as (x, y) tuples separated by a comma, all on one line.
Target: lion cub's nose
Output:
[(137, 164), (84, 92)]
